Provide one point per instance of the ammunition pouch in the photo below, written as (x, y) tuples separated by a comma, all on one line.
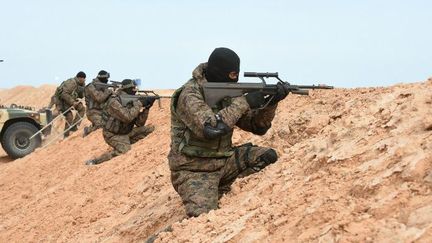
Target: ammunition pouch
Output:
[(115, 126), (193, 146)]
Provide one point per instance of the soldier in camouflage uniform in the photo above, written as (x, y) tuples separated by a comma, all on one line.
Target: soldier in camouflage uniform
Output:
[(119, 131), (95, 96), (67, 95), (202, 160)]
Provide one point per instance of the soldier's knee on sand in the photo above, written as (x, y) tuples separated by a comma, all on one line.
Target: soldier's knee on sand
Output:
[(123, 148), (195, 212)]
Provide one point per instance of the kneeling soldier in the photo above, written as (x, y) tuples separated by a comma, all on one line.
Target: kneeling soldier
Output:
[(202, 160), (95, 96), (119, 130)]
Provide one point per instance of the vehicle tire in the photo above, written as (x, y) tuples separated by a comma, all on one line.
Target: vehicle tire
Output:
[(16, 139)]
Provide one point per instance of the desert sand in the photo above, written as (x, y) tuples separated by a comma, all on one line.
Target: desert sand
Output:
[(355, 166)]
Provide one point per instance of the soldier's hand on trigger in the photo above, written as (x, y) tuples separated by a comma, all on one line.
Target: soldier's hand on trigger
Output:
[(281, 93), (148, 101)]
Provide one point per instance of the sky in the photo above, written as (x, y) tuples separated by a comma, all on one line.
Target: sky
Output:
[(336, 42)]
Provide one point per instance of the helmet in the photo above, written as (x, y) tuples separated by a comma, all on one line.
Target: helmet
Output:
[(128, 86), (103, 74), (81, 74)]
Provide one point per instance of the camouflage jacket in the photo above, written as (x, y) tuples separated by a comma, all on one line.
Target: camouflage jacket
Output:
[(119, 119), (189, 113), (69, 91), (96, 96)]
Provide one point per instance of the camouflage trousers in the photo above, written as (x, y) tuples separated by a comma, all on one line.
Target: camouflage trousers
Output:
[(95, 116), (70, 119), (122, 143), (200, 190)]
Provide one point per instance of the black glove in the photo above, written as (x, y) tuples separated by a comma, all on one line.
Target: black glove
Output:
[(281, 92), (255, 99), (218, 131), (148, 101)]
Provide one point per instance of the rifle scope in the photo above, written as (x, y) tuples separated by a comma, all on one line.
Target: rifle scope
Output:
[(261, 75)]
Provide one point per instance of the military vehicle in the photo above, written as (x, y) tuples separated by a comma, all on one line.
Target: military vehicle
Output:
[(18, 124)]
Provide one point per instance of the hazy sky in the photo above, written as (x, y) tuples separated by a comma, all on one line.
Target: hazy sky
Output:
[(338, 42)]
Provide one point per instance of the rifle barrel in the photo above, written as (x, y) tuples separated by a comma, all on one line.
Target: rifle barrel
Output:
[(320, 86)]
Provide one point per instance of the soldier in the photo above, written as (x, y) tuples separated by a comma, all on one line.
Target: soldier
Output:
[(202, 160), (68, 94), (95, 96), (119, 131)]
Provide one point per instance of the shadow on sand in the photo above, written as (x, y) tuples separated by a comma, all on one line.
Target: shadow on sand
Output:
[(5, 159)]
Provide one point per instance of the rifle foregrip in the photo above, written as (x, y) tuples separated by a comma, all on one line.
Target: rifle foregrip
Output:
[(300, 92)]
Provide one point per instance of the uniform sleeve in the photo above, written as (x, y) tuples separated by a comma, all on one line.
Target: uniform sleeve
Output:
[(97, 95), (258, 122), (124, 114), (67, 93), (232, 113), (142, 118), (194, 112)]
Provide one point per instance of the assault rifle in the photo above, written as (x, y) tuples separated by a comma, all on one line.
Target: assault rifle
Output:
[(145, 99), (215, 92), (151, 93), (114, 85)]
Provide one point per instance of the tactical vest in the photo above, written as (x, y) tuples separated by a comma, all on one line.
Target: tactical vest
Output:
[(59, 91), (112, 124), (189, 144), (90, 103)]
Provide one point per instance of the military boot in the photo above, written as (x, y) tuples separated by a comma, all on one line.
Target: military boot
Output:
[(91, 162), (87, 131)]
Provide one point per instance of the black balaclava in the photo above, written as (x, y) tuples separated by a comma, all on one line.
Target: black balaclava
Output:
[(103, 76), (221, 62), (128, 86)]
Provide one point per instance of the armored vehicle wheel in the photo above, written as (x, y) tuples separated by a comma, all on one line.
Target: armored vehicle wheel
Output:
[(16, 139)]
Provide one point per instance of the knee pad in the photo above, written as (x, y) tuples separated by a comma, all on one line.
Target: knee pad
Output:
[(269, 157)]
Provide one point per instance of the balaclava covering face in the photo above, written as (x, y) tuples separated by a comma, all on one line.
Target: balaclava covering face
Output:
[(221, 62)]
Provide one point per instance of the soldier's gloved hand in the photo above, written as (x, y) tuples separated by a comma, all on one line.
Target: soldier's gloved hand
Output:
[(148, 101), (255, 99), (281, 93), (213, 132)]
